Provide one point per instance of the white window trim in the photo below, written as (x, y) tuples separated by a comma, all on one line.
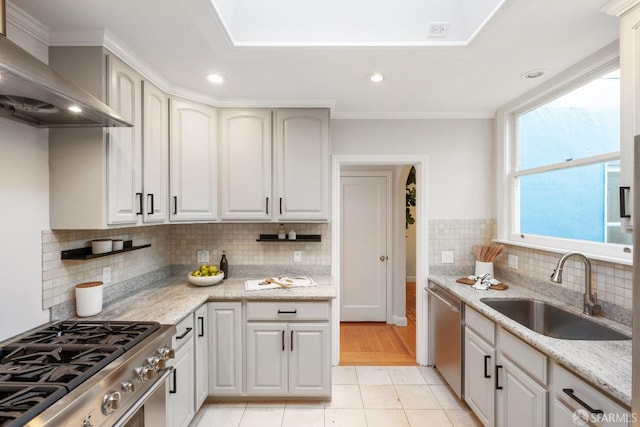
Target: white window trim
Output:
[(606, 59)]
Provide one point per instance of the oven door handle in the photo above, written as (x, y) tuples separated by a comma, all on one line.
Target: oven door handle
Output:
[(143, 399)]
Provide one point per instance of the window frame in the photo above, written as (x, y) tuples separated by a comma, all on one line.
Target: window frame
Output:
[(602, 62)]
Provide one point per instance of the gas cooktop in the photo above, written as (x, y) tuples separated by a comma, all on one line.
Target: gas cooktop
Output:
[(41, 366)]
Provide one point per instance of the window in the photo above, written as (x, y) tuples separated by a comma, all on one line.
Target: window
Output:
[(565, 168)]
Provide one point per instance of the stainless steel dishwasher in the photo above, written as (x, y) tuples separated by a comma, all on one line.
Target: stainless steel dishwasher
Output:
[(445, 336)]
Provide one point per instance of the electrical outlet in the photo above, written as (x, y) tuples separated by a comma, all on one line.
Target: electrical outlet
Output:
[(438, 29), (203, 256), (512, 261), (297, 256), (106, 275), (447, 257)]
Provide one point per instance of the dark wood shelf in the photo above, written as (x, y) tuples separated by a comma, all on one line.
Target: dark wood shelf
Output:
[(299, 238), (85, 253)]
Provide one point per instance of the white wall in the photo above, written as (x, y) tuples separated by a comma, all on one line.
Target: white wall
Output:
[(461, 158), (24, 191)]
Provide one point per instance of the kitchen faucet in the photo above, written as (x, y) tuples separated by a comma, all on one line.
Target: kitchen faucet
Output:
[(591, 306)]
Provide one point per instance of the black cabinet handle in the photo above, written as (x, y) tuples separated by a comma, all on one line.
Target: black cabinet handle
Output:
[(152, 210), (569, 392), (291, 340), (201, 321), (280, 205), (287, 311), (486, 370), (184, 334), (174, 387), (624, 192), (283, 340), (267, 205), (139, 196), (498, 386), (175, 205)]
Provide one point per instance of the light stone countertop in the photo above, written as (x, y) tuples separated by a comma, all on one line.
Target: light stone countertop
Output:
[(607, 364), (173, 298)]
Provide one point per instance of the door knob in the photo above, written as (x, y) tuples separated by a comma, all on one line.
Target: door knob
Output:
[(382, 257)]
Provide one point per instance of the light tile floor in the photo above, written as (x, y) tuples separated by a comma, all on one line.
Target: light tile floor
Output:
[(367, 396)]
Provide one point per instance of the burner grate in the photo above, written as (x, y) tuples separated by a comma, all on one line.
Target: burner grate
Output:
[(18, 404)]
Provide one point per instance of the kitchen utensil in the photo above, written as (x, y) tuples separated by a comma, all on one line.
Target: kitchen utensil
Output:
[(275, 282)]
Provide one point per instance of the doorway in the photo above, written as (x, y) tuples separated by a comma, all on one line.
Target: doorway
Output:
[(386, 338)]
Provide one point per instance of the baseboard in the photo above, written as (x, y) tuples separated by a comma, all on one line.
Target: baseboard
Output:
[(400, 320)]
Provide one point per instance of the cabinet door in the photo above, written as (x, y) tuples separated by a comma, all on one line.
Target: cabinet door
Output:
[(201, 356), (309, 359), (225, 348), (301, 164), (479, 377), (180, 394), (155, 150), (520, 401), (124, 146), (267, 347), (245, 164), (193, 162)]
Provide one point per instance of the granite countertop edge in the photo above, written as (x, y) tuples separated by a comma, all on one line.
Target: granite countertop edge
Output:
[(172, 299), (606, 364)]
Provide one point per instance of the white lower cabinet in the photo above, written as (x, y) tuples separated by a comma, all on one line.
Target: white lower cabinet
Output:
[(576, 402), (505, 378), (225, 348), (201, 355), (181, 389)]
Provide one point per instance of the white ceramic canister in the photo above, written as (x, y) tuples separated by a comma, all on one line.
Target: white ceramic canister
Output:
[(292, 235), (101, 246), (118, 244), (88, 298), (484, 268)]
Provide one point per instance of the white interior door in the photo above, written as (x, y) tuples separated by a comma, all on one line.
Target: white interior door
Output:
[(364, 201)]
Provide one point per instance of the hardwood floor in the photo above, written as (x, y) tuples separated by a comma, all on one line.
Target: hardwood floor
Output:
[(380, 344)]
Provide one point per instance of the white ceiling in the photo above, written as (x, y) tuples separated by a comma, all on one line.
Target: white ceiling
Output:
[(178, 43)]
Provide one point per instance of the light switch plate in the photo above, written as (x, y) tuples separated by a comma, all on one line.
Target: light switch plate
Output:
[(447, 257), (203, 256), (512, 261), (106, 275)]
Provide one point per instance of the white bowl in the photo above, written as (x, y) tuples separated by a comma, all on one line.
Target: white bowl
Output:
[(205, 280)]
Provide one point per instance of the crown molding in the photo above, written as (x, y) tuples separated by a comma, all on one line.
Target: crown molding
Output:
[(418, 115), (23, 21), (619, 7)]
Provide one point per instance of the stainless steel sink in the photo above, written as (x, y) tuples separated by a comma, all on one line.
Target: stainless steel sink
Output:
[(552, 321)]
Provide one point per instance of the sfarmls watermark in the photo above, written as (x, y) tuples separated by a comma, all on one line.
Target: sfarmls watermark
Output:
[(582, 417)]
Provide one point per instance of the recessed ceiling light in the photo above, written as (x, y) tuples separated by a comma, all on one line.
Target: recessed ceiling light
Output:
[(75, 109), (376, 78), (533, 74), (215, 78)]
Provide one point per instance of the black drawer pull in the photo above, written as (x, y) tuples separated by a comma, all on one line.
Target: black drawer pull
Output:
[(498, 386), (280, 205), (139, 196), (291, 340), (184, 334), (569, 392), (175, 205), (267, 206), (201, 321), (152, 207), (283, 340), (287, 311), (486, 371)]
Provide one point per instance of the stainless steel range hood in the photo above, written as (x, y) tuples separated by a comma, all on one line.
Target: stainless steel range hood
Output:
[(32, 93)]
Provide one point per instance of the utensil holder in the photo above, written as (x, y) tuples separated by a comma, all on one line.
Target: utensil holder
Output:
[(484, 268), (88, 299)]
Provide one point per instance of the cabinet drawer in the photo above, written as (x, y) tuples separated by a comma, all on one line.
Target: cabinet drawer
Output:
[(526, 357), (184, 332), (480, 325), (572, 392), (288, 310)]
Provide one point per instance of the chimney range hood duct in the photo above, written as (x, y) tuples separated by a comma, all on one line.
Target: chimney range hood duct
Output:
[(32, 93)]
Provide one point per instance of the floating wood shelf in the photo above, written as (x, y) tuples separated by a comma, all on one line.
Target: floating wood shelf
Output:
[(299, 238), (85, 253)]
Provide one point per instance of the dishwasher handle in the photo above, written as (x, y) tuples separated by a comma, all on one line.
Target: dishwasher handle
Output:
[(447, 303)]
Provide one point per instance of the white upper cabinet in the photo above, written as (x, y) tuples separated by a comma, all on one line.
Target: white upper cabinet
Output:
[(193, 161), (302, 164), (245, 164), (155, 150), (274, 165), (124, 145)]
